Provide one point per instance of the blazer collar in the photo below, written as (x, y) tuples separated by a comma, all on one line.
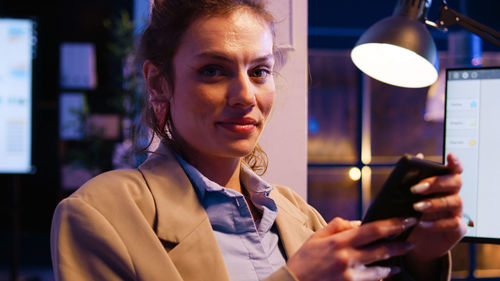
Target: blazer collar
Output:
[(181, 220), (291, 223), (180, 214), (177, 206)]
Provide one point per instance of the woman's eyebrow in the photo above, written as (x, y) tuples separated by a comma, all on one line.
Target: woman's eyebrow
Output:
[(213, 55), (224, 57), (263, 59)]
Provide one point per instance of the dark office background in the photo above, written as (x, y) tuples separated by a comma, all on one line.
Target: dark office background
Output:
[(334, 27)]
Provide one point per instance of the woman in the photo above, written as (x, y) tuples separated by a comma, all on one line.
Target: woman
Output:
[(195, 210)]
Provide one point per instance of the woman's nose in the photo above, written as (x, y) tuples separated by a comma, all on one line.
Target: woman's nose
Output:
[(242, 92)]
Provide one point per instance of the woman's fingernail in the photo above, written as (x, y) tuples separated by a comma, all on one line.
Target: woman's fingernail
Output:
[(426, 224), (420, 188), (409, 222), (422, 206), (355, 223)]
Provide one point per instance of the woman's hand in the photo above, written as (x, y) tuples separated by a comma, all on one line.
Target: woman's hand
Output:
[(441, 225), (341, 250)]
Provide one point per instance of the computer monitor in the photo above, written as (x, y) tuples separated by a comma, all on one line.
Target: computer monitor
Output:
[(17, 48), (472, 132)]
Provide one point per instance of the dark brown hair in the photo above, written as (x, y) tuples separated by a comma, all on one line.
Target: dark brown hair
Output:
[(160, 41)]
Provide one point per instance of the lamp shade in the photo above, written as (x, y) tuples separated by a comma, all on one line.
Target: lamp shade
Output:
[(398, 50)]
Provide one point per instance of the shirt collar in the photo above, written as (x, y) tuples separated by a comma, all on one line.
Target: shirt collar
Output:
[(255, 185)]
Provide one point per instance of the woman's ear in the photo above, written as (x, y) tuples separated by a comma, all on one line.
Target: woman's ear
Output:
[(156, 83), (158, 90)]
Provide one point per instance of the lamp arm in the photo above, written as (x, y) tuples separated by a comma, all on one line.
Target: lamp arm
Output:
[(449, 17)]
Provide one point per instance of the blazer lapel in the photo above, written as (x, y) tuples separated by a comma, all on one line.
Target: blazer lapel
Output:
[(181, 223), (291, 224)]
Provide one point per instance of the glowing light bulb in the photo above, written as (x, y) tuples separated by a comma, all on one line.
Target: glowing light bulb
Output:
[(354, 174), (394, 65)]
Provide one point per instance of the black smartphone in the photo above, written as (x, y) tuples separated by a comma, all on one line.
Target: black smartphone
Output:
[(395, 198)]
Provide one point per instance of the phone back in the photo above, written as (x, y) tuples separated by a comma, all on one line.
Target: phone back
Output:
[(395, 198)]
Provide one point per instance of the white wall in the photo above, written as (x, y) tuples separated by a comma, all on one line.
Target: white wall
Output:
[(285, 137)]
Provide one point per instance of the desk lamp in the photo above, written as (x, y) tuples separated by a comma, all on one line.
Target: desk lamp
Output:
[(399, 50)]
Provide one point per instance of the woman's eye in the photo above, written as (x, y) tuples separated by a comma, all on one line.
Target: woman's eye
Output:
[(260, 73), (211, 71)]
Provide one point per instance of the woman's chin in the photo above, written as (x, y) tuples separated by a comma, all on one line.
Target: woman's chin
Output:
[(242, 150)]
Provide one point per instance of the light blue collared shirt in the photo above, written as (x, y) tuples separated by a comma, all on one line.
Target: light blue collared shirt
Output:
[(251, 250)]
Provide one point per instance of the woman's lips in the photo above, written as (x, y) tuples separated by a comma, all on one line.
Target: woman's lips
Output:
[(243, 126)]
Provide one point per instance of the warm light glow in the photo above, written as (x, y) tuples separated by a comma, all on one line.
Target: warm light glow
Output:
[(366, 182), (366, 131), (394, 65), (355, 174)]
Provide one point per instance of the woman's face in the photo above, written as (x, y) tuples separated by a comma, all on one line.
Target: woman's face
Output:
[(224, 87)]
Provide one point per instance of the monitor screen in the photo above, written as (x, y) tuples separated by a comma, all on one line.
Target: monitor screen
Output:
[(472, 132), (17, 39)]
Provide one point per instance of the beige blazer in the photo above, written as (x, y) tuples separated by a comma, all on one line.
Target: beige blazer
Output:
[(147, 224)]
